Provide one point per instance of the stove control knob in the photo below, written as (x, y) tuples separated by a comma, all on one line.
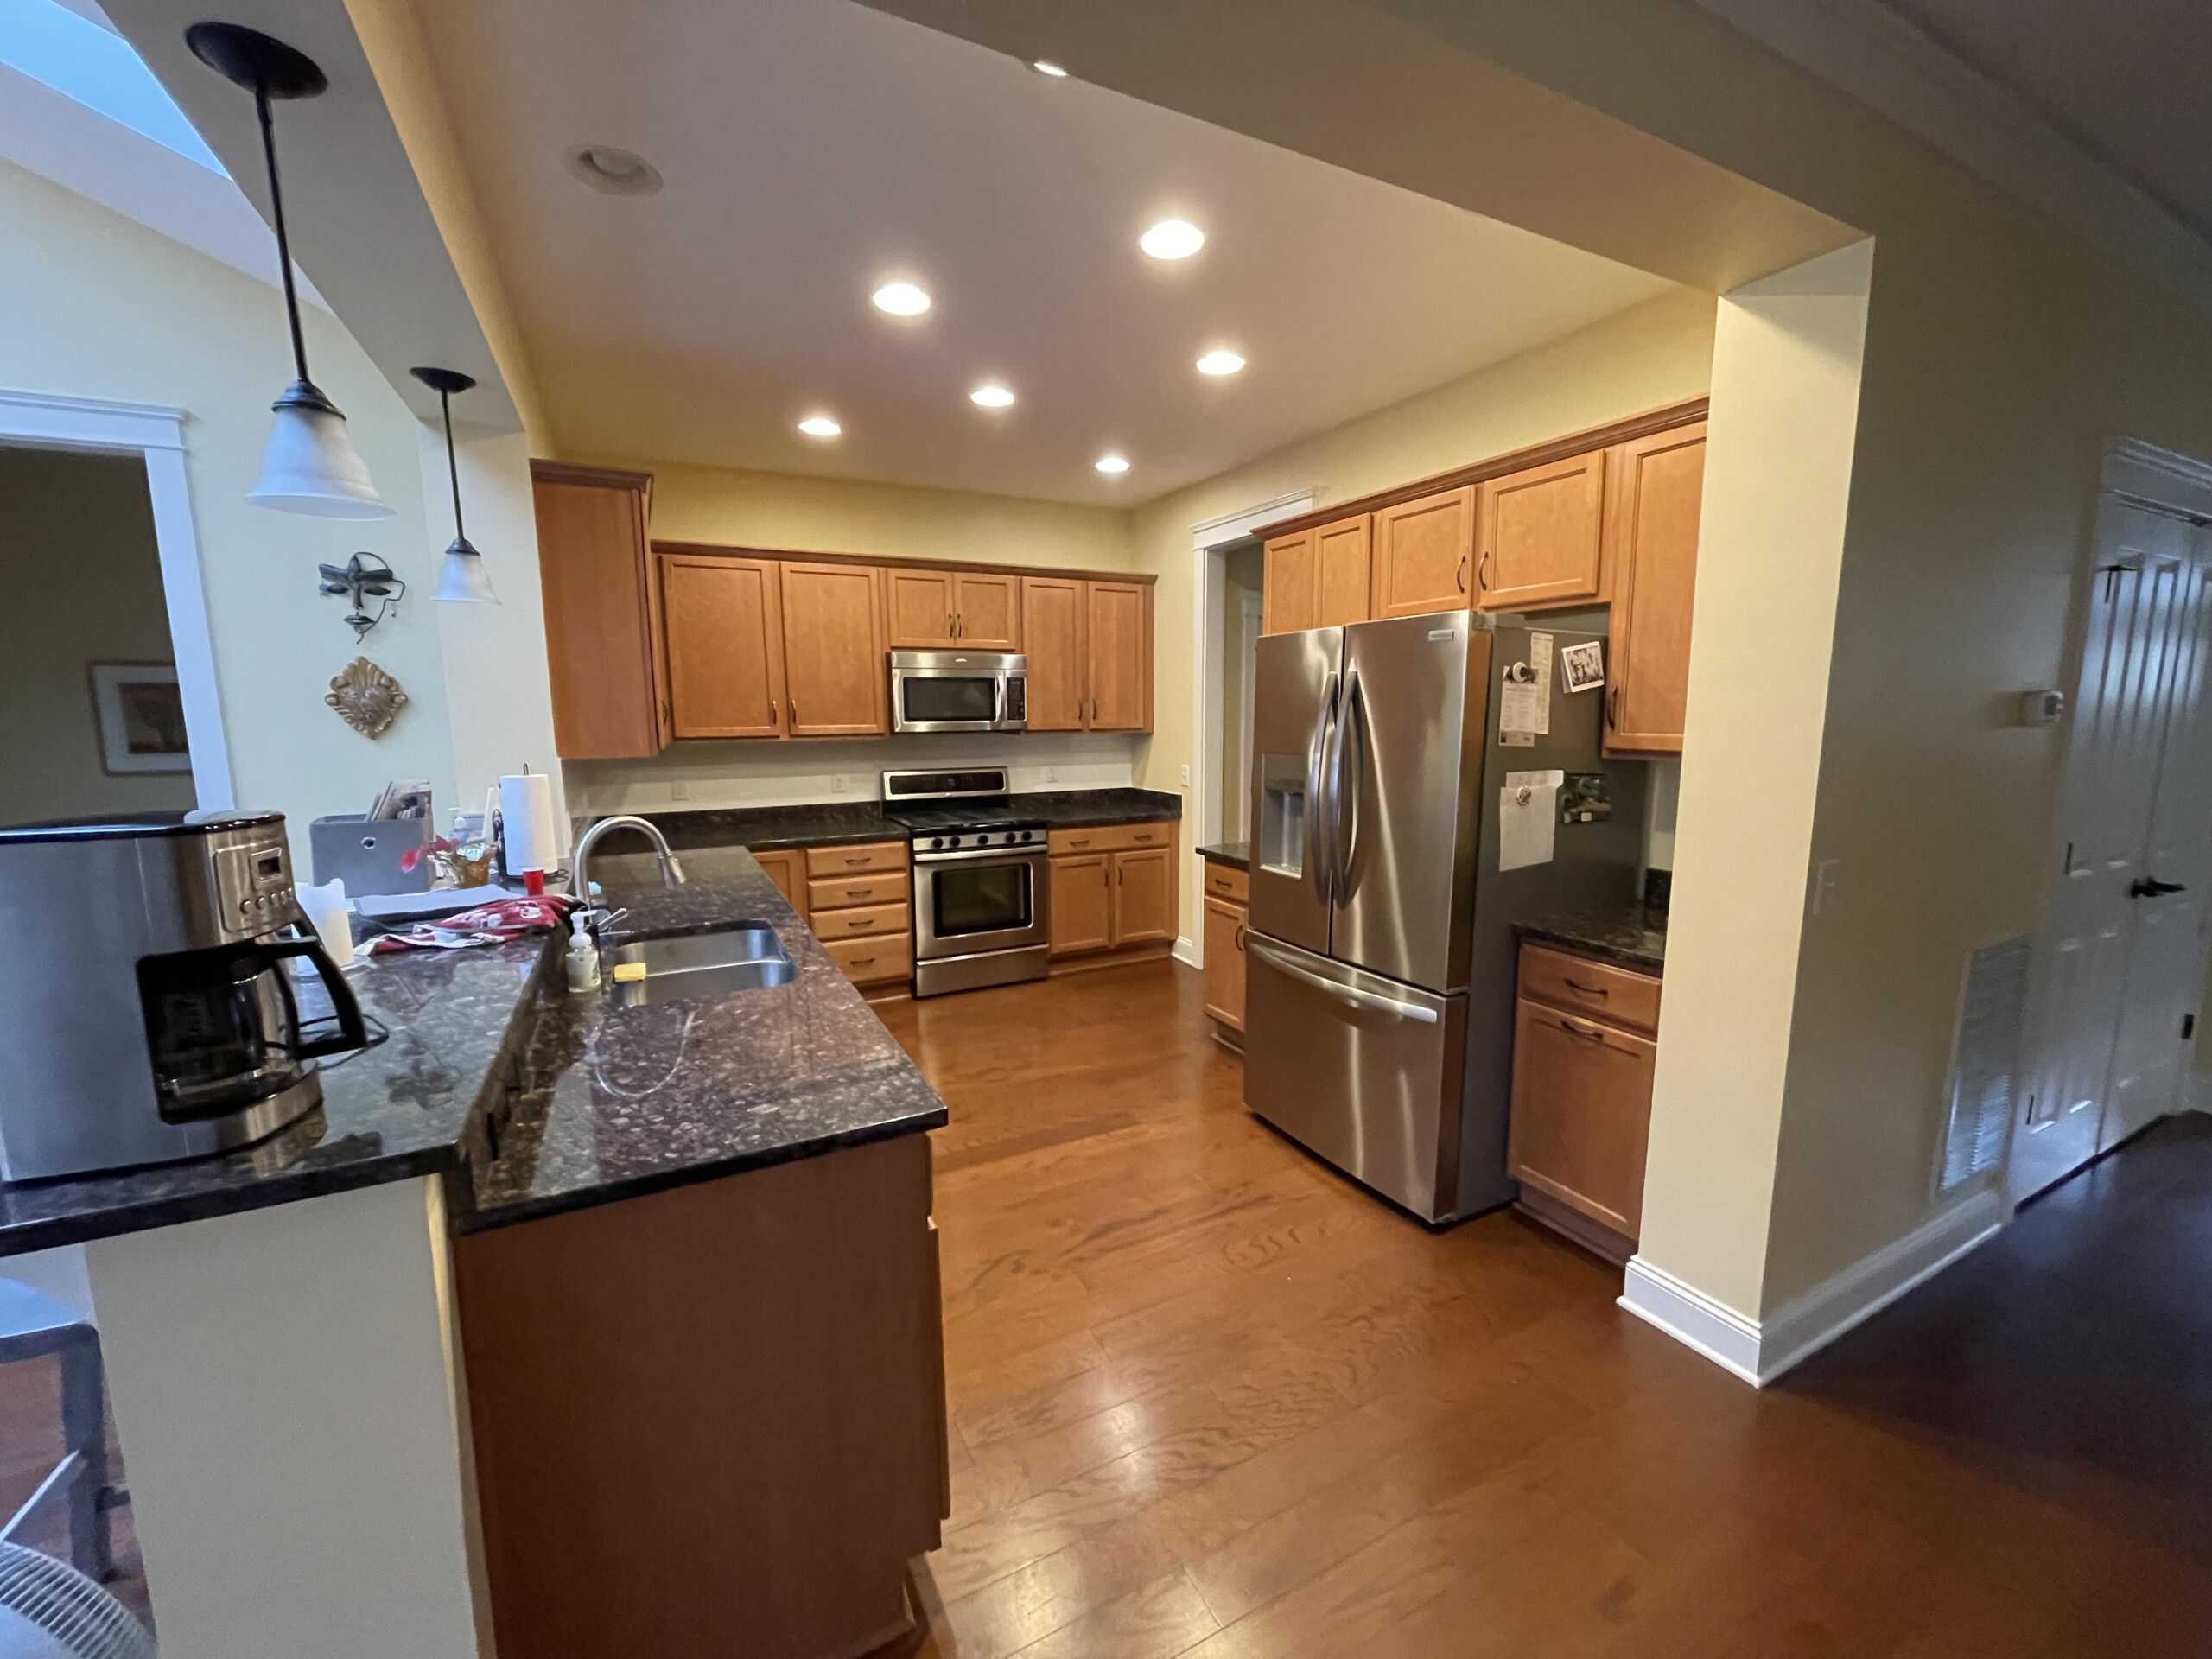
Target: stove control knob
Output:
[(983, 841), (937, 841), (955, 842)]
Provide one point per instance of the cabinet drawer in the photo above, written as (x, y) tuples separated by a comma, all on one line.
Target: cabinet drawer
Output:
[(850, 861), (842, 892), (867, 921), (1596, 990), (867, 961), (1113, 837), (1225, 882)]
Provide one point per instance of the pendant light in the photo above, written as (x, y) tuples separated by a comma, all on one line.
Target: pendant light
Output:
[(310, 465), (463, 581)]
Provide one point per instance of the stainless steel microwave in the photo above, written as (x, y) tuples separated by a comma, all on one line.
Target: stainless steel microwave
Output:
[(959, 692)]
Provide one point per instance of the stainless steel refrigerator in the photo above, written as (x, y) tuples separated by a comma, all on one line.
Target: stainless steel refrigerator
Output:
[(1381, 953)]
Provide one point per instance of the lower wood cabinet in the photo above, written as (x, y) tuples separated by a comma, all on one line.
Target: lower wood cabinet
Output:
[(786, 867), (1581, 1113), (1227, 913), (710, 1420), (1114, 887), (1083, 912), (860, 904)]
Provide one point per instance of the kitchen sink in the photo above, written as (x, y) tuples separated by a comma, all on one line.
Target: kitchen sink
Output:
[(743, 957)]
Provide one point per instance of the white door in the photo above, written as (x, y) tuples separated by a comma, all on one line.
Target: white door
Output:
[(2121, 947)]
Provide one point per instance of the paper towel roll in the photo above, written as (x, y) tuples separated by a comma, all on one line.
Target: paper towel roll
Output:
[(526, 820), (325, 909)]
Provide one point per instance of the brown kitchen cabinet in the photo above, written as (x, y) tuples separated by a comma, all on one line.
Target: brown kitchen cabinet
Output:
[(1540, 536), (1114, 888), (1089, 649), (860, 904), (1082, 914), (764, 1351), (1144, 896), (836, 682), (1583, 1050), (602, 618), (1051, 623), (1424, 555), (1657, 490), (786, 867), (941, 609), (1227, 911), (986, 610), (725, 632), (1317, 578)]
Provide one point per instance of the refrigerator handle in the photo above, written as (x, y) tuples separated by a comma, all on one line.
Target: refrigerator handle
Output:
[(1344, 785), (1319, 846), (1351, 993)]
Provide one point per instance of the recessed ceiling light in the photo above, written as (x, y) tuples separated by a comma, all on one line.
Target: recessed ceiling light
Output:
[(1112, 464), (901, 300), (1222, 361), (618, 172), (1173, 238), (820, 426), (1046, 67), (991, 395)]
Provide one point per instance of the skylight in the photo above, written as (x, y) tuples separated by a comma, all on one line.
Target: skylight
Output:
[(65, 49)]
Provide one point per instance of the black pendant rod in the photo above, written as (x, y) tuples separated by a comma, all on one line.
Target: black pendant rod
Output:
[(284, 241), (452, 467)]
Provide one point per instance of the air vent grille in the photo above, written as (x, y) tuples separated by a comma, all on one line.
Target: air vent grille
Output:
[(1985, 1056)]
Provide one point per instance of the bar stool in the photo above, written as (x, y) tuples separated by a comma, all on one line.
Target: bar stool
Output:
[(32, 1325)]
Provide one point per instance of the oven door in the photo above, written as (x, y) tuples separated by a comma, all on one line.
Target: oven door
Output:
[(984, 900), (946, 699)]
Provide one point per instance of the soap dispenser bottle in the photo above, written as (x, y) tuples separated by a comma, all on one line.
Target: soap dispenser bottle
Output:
[(583, 953)]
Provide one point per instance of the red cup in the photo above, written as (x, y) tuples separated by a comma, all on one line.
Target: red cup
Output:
[(533, 883)]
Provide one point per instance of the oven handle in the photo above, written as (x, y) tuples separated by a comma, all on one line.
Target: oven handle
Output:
[(1036, 850)]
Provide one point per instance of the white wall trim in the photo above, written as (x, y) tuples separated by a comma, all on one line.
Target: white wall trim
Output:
[(1898, 70), (2157, 478), (155, 431), (1759, 1351), (1186, 952), (1235, 526)]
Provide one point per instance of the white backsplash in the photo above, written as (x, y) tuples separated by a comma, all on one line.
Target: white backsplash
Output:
[(696, 775)]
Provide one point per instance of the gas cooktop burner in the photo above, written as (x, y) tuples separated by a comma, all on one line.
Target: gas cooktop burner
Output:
[(967, 816)]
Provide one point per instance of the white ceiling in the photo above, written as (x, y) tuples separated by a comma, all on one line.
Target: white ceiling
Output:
[(814, 147)]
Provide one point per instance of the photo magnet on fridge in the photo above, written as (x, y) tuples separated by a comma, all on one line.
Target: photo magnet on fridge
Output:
[(1583, 665)]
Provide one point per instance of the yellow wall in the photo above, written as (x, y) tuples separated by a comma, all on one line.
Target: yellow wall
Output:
[(1649, 355)]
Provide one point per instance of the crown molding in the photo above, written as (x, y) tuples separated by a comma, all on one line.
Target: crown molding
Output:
[(1900, 70)]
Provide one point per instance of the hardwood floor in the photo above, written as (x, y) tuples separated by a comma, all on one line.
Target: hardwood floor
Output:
[(1209, 1398)]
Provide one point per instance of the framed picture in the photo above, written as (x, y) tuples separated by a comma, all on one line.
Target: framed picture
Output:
[(141, 717)]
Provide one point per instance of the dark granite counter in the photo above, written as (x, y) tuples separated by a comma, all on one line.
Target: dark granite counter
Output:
[(1632, 935), (828, 824), (401, 1109), (1237, 855), (620, 1102)]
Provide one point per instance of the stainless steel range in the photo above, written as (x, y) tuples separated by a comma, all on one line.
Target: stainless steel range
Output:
[(983, 879)]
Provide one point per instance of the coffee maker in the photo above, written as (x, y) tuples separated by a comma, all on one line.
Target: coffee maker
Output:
[(147, 1010)]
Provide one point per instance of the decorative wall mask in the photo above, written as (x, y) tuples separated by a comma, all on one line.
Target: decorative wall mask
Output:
[(366, 698)]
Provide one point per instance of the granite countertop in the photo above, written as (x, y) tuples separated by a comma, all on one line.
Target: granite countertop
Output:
[(1237, 855), (620, 1101), (396, 1111), (828, 824), (1631, 934)]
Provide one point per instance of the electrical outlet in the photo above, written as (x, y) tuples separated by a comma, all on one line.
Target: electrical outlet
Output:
[(839, 782), (1051, 774), (1187, 776), (679, 791)]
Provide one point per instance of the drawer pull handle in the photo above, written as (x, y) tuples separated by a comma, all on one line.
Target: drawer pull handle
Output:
[(1582, 1031), (1587, 990), (862, 858)]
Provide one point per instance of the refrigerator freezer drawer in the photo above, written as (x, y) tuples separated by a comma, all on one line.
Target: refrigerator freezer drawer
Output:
[(1361, 1070)]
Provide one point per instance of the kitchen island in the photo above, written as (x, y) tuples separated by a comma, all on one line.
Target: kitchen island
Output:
[(298, 1334)]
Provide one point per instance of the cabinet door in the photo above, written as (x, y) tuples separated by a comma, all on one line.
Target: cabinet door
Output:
[(835, 676), (1341, 553), (1581, 1114), (1117, 618), (1144, 896), (920, 606), (1658, 484), (987, 611), (1290, 587), (724, 629), (601, 650), (1082, 917), (1542, 537), (1225, 963), (786, 867), (1052, 629), (1424, 555)]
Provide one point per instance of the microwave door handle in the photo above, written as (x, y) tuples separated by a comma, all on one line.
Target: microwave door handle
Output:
[(353, 1030), (1351, 993), (998, 701)]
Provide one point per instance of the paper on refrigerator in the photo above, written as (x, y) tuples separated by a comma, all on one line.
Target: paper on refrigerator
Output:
[(1528, 818), (1524, 702)]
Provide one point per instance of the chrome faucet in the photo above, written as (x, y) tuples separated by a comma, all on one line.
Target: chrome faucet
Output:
[(671, 871)]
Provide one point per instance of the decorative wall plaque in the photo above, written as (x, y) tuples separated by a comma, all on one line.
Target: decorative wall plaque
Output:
[(366, 698)]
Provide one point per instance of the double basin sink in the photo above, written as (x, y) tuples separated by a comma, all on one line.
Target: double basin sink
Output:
[(743, 956)]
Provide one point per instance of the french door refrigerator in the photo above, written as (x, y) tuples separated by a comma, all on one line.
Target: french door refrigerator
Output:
[(1380, 953)]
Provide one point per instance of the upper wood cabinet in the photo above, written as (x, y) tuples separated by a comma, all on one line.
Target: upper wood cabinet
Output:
[(1117, 656), (1424, 554), (1542, 540), (725, 632), (937, 610), (986, 610), (1051, 623), (602, 622), (835, 676), (1290, 584), (1658, 485)]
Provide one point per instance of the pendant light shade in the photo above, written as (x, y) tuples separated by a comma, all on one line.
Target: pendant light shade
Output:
[(462, 580), (310, 465)]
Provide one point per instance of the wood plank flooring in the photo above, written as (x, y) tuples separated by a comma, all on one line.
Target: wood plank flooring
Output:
[(1209, 1398)]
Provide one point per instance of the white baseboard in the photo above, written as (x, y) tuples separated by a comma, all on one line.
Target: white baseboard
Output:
[(1185, 953), (1759, 1351)]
